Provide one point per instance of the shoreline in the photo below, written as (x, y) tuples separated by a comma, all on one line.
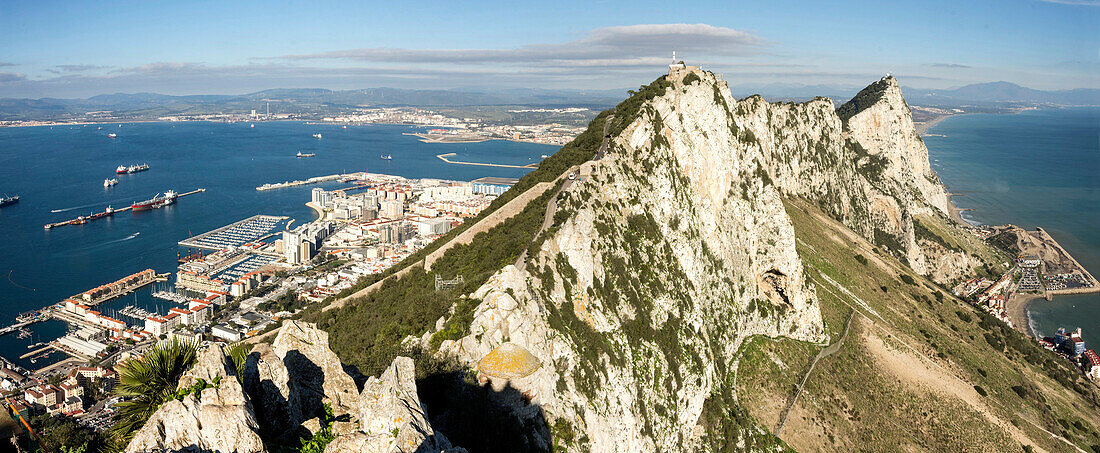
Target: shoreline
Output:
[(1018, 312), (923, 127)]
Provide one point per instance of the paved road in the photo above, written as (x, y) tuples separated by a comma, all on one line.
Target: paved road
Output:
[(552, 206)]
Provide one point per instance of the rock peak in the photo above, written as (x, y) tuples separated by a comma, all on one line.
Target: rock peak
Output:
[(884, 89)]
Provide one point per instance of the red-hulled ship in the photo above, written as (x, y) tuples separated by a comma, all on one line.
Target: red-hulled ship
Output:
[(158, 201)]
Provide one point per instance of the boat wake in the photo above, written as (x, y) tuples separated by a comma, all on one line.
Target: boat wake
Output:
[(83, 250), (16, 284)]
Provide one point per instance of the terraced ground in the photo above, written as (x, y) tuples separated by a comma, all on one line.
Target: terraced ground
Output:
[(919, 371)]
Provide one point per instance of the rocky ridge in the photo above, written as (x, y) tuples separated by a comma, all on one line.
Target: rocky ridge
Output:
[(285, 387), (677, 247)]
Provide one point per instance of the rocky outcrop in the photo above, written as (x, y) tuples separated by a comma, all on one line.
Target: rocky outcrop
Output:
[(390, 416), (316, 375), (220, 418), (287, 386)]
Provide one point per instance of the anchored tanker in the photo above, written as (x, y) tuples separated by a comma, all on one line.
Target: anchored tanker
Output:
[(158, 201), (122, 169)]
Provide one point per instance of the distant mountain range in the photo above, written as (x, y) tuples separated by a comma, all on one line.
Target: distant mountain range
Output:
[(981, 94), (315, 101)]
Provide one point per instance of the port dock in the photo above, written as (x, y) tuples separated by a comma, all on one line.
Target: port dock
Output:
[(85, 219), (313, 180), (444, 158)]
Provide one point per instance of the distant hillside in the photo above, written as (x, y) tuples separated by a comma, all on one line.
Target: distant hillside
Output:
[(1003, 92), (307, 101)]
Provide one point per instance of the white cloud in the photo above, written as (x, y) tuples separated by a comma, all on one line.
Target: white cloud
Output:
[(624, 46), (9, 77), (1074, 2)]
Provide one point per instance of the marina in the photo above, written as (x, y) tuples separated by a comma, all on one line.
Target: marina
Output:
[(170, 296), (250, 230)]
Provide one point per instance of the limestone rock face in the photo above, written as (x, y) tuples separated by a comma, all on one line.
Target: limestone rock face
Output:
[(268, 383), (316, 375), (219, 419), (386, 417), (678, 246), (390, 416)]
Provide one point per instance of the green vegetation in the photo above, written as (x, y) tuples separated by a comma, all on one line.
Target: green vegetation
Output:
[(196, 388), (316, 442), (862, 259), (628, 110), (149, 382), (289, 301), (1019, 381), (61, 433), (691, 78), (458, 325)]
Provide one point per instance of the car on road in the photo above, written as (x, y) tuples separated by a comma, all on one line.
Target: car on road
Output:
[(573, 175)]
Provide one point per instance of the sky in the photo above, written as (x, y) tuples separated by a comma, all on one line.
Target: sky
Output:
[(84, 48)]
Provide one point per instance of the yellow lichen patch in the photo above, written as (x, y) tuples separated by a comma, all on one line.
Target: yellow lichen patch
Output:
[(509, 361), (580, 308)]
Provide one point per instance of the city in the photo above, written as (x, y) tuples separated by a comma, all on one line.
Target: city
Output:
[(240, 280)]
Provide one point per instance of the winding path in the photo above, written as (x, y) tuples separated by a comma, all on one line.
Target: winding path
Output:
[(828, 351)]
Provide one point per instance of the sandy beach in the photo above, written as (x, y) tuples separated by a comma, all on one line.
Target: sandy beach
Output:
[(1017, 311), (923, 127)]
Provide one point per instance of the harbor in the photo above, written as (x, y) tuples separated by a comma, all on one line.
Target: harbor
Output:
[(156, 202)]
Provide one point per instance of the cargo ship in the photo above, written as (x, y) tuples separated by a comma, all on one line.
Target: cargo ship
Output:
[(109, 182), (6, 200), (300, 154), (112, 135), (158, 201), (123, 170), (100, 215)]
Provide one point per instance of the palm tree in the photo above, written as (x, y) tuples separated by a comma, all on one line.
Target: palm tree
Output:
[(148, 382)]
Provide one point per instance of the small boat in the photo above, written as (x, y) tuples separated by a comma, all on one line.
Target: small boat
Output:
[(251, 126), (301, 155), (6, 200), (317, 136), (345, 127), (99, 128), (112, 135), (387, 156), (109, 182)]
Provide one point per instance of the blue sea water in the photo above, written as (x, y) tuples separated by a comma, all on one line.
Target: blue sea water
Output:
[(62, 168), (1038, 168)]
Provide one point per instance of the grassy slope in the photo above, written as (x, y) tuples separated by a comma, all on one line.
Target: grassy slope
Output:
[(854, 399)]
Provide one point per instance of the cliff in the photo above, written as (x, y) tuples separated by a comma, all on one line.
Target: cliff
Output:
[(627, 319)]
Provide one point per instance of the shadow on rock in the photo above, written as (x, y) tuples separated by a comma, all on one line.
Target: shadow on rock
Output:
[(478, 417)]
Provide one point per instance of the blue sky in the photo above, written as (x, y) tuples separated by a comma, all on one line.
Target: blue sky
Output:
[(83, 48)]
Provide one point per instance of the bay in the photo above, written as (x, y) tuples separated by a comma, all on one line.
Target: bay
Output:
[(1037, 168), (62, 168)]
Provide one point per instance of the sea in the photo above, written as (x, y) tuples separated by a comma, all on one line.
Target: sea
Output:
[(1036, 168), (58, 173)]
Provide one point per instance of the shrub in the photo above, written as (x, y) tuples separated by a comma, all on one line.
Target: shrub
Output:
[(980, 390), (908, 279), (862, 259)]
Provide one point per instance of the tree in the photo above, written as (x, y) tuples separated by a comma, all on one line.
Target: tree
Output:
[(150, 381)]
